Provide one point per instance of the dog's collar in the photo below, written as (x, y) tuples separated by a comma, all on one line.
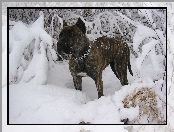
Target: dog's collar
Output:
[(84, 55)]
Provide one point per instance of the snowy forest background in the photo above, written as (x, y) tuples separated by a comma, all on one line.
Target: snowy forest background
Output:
[(41, 84)]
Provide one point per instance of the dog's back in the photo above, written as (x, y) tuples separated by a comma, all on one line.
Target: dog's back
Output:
[(113, 51)]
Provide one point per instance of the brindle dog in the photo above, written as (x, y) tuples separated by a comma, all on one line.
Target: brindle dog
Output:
[(92, 57)]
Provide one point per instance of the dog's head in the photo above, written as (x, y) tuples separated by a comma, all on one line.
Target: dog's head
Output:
[(72, 40)]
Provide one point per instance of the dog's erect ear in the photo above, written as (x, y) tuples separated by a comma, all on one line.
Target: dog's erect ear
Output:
[(81, 25), (64, 23)]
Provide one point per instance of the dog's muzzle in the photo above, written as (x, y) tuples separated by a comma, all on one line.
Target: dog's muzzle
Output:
[(63, 46), (64, 51)]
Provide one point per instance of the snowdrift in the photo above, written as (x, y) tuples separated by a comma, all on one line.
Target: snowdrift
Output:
[(139, 102)]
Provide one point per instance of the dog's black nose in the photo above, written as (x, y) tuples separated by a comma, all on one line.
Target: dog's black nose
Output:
[(60, 43)]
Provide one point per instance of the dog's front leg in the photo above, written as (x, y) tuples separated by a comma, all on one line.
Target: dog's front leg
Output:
[(74, 68), (99, 84), (77, 82)]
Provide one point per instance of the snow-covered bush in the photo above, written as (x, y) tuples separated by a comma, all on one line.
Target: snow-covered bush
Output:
[(30, 49), (150, 109)]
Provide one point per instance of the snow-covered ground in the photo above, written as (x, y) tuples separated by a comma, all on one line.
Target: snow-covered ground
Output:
[(42, 91)]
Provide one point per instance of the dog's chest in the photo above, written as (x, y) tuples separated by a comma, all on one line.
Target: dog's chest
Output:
[(83, 67)]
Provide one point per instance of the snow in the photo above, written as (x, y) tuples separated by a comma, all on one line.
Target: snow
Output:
[(60, 105), (19, 41), (147, 14), (141, 33), (42, 91), (18, 45), (145, 50), (37, 70)]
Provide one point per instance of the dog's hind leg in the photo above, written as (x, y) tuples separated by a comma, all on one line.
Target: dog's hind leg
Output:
[(112, 64), (122, 72)]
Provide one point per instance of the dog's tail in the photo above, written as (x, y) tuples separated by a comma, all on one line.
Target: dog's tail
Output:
[(129, 65)]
